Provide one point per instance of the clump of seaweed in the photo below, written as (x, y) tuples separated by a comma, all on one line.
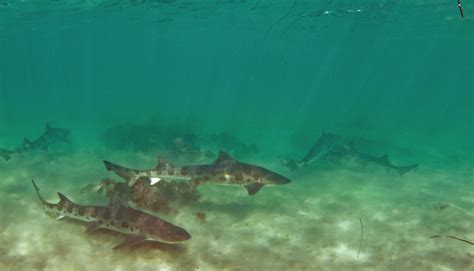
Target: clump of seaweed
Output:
[(161, 197), (201, 216), (108, 188), (176, 141), (133, 136)]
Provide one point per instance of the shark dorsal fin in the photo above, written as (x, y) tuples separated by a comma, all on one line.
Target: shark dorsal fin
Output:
[(224, 158), (63, 198), (47, 126), (163, 163), (26, 142)]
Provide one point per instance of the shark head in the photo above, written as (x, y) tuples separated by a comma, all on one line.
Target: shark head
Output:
[(58, 134), (165, 232), (269, 177)]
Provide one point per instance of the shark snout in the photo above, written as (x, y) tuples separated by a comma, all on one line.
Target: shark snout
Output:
[(280, 179), (184, 235), (284, 180), (179, 235)]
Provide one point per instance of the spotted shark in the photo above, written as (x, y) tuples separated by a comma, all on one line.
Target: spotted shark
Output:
[(225, 170), (50, 136), (119, 217), (330, 143)]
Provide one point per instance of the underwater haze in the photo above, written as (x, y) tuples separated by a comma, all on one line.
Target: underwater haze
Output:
[(366, 106)]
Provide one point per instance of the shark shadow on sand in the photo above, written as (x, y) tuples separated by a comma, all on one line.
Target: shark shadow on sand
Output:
[(50, 136), (334, 145)]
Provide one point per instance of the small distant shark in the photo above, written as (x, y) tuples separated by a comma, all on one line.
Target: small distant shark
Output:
[(332, 143), (50, 136), (384, 162), (326, 143), (225, 170), (119, 217)]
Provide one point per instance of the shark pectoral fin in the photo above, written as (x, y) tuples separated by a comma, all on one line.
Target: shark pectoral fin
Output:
[(154, 180), (252, 189), (7, 157), (130, 241), (92, 227), (60, 217)]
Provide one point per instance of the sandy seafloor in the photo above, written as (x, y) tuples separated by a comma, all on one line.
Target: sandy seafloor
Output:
[(310, 224), (399, 70)]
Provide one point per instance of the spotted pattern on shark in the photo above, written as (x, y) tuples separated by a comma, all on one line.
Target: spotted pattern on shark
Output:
[(119, 217)]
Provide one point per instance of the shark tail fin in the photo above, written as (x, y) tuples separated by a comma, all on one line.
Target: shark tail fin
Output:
[(403, 170), (126, 173), (38, 193)]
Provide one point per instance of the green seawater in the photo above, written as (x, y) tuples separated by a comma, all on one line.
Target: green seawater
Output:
[(260, 79)]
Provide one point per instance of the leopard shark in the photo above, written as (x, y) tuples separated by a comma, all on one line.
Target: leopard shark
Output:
[(137, 225), (225, 170), (331, 143), (50, 136)]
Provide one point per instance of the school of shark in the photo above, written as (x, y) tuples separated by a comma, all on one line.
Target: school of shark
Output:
[(139, 225)]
